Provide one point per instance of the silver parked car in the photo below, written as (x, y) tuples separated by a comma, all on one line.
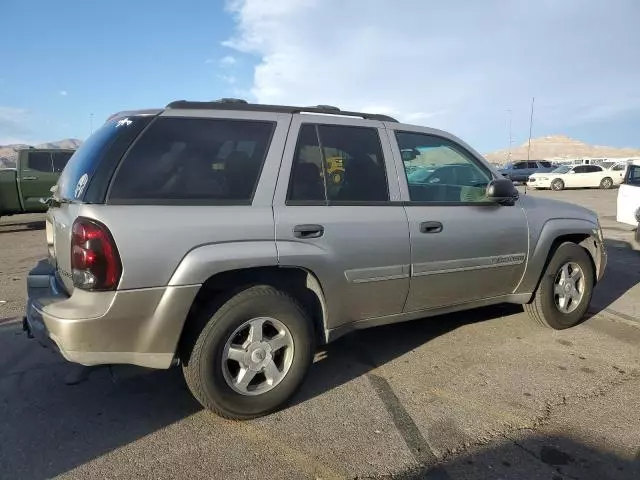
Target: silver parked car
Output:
[(212, 235)]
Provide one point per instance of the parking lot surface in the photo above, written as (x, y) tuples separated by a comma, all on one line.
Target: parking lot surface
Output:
[(480, 394)]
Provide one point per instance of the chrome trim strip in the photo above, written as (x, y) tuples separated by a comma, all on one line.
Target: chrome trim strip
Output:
[(466, 264)]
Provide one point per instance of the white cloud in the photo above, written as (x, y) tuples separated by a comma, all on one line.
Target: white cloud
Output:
[(63, 93), (209, 61), (14, 125), (228, 61), (456, 65), (230, 79)]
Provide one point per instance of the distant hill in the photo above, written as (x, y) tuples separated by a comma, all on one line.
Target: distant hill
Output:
[(8, 153), (555, 147)]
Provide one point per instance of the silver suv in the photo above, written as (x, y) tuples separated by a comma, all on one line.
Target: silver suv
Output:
[(232, 238)]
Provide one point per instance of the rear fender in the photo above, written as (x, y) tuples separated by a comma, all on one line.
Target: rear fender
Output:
[(208, 260)]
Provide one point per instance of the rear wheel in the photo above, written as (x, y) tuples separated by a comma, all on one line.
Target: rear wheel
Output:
[(606, 183), (251, 355), (564, 293), (557, 185)]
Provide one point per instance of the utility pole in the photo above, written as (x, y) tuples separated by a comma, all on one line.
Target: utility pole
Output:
[(533, 99)]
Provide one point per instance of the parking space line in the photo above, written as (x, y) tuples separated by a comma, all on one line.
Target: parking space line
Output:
[(417, 444)]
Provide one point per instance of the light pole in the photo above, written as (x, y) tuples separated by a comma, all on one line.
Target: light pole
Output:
[(533, 99)]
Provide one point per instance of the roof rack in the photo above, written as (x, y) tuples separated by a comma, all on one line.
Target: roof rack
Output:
[(239, 104)]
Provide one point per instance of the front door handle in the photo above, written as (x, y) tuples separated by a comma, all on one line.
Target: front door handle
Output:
[(308, 231), (430, 227), (29, 178)]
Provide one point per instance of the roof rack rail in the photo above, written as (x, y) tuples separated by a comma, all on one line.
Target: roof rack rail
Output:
[(239, 104)]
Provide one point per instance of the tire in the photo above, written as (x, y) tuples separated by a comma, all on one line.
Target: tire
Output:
[(208, 377), (544, 307), (606, 183), (557, 185)]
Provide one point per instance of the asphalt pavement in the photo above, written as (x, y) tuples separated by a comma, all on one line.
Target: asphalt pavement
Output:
[(479, 394)]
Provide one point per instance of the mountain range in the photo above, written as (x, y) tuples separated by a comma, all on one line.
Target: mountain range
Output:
[(557, 147), (9, 153)]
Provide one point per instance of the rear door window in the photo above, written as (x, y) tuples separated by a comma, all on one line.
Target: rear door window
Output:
[(338, 164), (545, 164), (532, 165), (193, 161)]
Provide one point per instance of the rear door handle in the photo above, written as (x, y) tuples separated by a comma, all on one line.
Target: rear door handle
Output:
[(430, 227), (308, 231)]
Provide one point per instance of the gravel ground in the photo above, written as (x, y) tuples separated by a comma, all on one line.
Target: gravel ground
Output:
[(480, 394)]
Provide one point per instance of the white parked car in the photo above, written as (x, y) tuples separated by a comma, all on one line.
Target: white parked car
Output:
[(628, 210), (575, 176)]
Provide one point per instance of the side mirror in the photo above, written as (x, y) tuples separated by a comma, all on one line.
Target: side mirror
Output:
[(502, 191)]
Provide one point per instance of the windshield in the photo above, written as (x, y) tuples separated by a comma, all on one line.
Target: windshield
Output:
[(562, 169)]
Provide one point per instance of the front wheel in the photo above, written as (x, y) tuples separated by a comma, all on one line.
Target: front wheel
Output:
[(252, 354), (606, 183), (557, 185), (564, 293)]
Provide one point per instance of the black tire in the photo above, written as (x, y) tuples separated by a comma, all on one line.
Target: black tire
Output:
[(606, 183), (203, 370), (543, 307), (557, 185)]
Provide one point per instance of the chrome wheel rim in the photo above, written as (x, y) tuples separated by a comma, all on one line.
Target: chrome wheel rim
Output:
[(557, 185), (257, 356), (606, 183), (569, 287)]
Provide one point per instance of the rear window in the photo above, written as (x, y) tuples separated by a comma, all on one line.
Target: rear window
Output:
[(80, 168), (196, 161)]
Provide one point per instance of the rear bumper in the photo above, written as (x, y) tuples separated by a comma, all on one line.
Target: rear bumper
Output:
[(139, 327)]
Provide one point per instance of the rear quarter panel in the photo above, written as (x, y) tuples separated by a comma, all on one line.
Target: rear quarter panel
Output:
[(9, 192), (154, 240)]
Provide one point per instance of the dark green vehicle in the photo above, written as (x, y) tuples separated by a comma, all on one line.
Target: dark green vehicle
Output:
[(25, 188)]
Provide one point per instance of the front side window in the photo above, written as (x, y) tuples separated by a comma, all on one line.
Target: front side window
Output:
[(338, 163), (532, 165), (444, 171), (194, 160), (545, 164), (520, 165), (593, 168), (40, 161), (581, 169)]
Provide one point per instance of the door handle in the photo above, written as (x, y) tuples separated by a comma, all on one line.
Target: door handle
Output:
[(308, 231), (430, 227), (29, 178)]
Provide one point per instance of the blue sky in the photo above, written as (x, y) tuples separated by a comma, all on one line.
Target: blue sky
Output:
[(458, 65)]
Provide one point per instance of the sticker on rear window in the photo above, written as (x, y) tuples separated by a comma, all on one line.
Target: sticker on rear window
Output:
[(125, 121), (80, 185)]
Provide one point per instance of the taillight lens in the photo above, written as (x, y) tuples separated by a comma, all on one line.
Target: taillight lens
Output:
[(94, 257)]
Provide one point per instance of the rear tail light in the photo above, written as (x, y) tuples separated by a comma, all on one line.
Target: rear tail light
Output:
[(95, 261)]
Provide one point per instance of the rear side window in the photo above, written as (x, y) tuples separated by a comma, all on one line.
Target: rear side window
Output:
[(520, 165), (338, 163), (532, 165), (193, 160), (545, 164), (60, 160), (40, 161), (581, 169)]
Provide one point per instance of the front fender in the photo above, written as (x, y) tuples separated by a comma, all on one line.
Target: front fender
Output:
[(204, 261), (542, 244)]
